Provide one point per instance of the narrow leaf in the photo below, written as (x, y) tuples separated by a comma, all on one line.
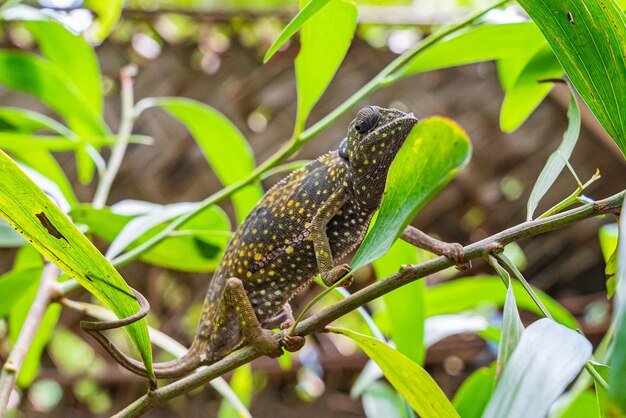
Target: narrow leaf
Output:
[(321, 53), (292, 27), (527, 92), (556, 161), (433, 153), (547, 358), (512, 329), (408, 378), (474, 394), (107, 15), (36, 217), (223, 145), (589, 39)]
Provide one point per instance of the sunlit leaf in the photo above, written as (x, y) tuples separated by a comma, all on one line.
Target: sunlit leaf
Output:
[(412, 381), (36, 217), (404, 306), (13, 284), (380, 400), (223, 145), (107, 15), (547, 358), (557, 160), (292, 27), (433, 153), (589, 39), (527, 92), (617, 375), (15, 141), (321, 53), (468, 293), (512, 329), (474, 394), (242, 385), (482, 43)]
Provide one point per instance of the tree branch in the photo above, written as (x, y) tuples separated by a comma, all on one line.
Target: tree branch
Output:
[(13, 365), (406, 275)]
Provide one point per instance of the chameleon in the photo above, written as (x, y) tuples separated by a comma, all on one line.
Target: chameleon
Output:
[(315, 216)]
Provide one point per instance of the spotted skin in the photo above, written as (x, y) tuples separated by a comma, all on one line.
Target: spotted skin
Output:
[(310, 219)]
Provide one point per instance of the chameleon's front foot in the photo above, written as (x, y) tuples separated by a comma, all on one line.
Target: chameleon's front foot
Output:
[(452, 250), (333, 275), (292, 343)]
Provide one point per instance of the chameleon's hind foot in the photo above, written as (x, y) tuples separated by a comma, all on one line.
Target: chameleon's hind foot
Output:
[(292, 343), (266, 344), (333, 275)]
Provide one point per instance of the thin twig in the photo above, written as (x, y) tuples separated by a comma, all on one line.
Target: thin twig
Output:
[(13, 365), (376, 290)]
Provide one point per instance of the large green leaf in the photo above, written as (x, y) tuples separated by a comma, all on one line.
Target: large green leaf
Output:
[(198, 245), (433, 153), (223, 145), (292, 27), (321, 53), (404, 306), (557, 160), (468, 293), (617, 375), (526, 91), (545, 361), (15, 141), (589, 39), (482, 43), (36, 217), (474, 394), (412, 381), (512, 329)]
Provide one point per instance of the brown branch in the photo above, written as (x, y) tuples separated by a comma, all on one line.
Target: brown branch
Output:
[(406, 275), (13, 365)]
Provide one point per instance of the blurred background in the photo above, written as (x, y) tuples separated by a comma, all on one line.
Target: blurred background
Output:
[(212, 51)]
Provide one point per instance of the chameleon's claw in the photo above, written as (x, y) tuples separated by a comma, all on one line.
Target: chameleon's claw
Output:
[(331, 277), (292, 343)]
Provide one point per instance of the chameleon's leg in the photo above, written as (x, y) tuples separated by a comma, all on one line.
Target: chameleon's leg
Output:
[(454, 250), (325, 264), (285, 320), (261, 339)]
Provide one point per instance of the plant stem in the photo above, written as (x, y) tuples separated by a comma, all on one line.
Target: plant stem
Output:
[(119, 149), (13, 365), (318, 321)]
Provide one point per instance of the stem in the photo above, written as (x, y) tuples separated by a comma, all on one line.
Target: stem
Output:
[(13, 365), (119, 149), (572, 198), (321, 319)]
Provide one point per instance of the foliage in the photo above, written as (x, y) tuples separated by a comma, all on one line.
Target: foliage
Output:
[(584, 39)]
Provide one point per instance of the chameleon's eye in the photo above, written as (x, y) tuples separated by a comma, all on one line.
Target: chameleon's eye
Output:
[(366, 119)]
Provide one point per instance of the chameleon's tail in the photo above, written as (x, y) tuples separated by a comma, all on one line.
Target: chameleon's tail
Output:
[(170, 369)]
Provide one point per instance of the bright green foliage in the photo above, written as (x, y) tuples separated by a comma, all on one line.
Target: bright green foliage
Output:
[(404, 306), (474, 394), (37, 218), (381, 400), (589, 39), (545, 361), (407, 377), (617, 375), (512, 329), (107, 15), (435, 150), (223, 145), (321, 52), (242, 385)]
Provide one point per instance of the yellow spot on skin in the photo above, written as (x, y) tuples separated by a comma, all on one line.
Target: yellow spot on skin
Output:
[(289, 250), (290, 203), (258, 256), (248, 274)]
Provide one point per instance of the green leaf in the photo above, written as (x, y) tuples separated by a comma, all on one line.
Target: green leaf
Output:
[(292, 27), (243, 387), (321, 53), (617, 375), (380, 400), (407, 377), (589, 39), (526, 92), (608, 243), (107, 15), (547, 358), (482, 43), (12, 141), (9, 237), (468, 293), (512, 329), (557, 160), (36, 217), (223, 145), (197, 247), (13, 284), (434, 151), (604, 408), (474, 394), (27, 121), (404, 306), (583, 405)]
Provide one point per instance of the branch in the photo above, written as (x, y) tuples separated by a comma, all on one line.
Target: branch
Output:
[(404, 276), (13, 365)]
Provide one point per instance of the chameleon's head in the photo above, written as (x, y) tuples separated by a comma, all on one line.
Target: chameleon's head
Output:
[(374, 138)]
